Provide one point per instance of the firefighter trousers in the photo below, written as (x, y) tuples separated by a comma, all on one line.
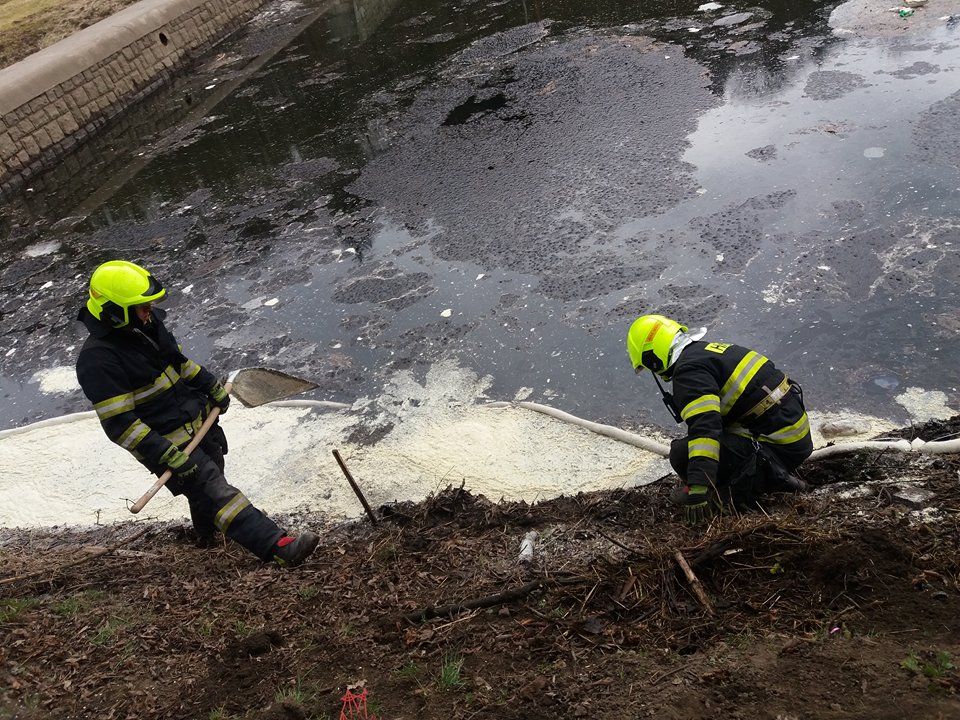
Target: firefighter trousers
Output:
[(215, 504)]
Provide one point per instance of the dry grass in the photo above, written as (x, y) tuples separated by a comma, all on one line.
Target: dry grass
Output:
[(827, 591), (27, 26), (16, 11)]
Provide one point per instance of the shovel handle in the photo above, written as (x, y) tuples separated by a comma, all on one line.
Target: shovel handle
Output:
[(167, 474)]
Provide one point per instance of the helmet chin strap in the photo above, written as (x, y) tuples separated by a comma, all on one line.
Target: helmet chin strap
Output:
[(668, 400), (676, 347)]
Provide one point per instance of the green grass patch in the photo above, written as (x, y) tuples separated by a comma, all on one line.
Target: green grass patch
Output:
[(107, 632), (928, 663), (12, 608), (79, 603), (451, 673), (242, 629), (308, 592), (300, 693), (408, 671)]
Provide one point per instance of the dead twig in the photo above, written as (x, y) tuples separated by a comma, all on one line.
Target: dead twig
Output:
[(668, 673), (99, 550), (488, 601), (694, 583), (627, 586), (619, 544), (50, 572)]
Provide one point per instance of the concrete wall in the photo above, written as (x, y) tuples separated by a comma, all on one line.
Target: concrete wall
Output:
[(70, 91)]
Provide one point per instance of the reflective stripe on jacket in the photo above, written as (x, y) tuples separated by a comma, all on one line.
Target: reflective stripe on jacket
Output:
[(720, 387), (149, 397)]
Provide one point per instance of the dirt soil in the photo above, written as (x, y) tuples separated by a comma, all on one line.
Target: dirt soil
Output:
[(27, 26), (838, 604), (841, 603)]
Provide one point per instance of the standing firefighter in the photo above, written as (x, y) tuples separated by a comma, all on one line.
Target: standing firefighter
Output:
[(747, 429), (151, 400)]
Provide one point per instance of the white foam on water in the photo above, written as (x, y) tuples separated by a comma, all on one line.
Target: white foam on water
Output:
[(925, 404), (43, 248), (438, 432), (282, 459), (867, 426), (57, 380)]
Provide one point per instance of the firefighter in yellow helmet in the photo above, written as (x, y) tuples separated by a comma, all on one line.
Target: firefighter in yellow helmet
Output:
[(747, 429), (151, 400)]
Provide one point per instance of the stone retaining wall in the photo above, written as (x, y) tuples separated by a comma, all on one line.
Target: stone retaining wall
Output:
[(68, 92)]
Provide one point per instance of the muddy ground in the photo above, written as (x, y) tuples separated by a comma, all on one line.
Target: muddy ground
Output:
[(837, 604)]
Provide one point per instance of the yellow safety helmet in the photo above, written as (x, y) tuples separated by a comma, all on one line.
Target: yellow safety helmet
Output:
[(649, 341), (118, 285)]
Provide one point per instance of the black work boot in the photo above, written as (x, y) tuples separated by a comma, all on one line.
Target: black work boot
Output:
[(292, 551), (796, 485)]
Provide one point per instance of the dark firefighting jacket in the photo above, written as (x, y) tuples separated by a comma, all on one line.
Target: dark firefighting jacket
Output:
[(720, 387), (150, 398)]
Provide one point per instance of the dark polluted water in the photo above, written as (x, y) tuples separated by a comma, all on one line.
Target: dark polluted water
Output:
[(350, 193)]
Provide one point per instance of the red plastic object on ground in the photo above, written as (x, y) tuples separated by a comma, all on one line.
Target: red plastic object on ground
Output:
[(355, 706)]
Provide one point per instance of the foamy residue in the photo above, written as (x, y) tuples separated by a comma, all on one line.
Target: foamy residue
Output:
[(58, 380), (925, 404), (425, 435), (282, 457)]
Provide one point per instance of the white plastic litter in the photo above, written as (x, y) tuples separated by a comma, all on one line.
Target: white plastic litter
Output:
[(526, 547)]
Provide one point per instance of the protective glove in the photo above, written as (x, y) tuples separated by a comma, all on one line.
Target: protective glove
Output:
[(183, 466), (700, 505), (220, 397)]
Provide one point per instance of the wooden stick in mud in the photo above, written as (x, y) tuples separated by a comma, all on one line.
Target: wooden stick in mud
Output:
[(488, 601), (356, 488), (498, 599), (694, 583)]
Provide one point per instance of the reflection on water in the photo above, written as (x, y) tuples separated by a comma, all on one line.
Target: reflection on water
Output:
[(326, 91)]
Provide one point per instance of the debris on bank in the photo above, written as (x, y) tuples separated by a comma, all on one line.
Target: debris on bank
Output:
[(600, 604)]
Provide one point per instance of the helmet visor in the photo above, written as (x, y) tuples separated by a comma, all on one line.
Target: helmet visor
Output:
[(154, 292)]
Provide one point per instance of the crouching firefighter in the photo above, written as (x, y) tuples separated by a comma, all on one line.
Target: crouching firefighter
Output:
[(747, 429), (151, 400)]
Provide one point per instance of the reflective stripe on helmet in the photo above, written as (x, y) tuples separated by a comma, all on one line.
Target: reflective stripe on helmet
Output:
[(118, 285), (704, 403), (649, 340)]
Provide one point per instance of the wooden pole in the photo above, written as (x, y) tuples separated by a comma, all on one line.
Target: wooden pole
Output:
[(194, 443), (356, 488), (694, 583)]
